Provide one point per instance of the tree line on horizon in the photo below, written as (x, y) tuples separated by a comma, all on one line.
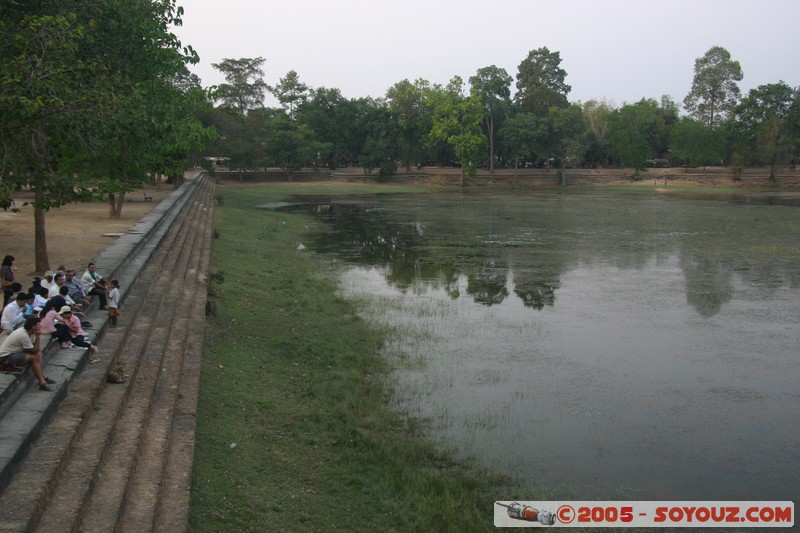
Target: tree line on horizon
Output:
[(480, 123)]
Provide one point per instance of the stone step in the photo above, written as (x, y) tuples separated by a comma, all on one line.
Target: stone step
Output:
[(77, 474), (123, 260), (147, 486), (149, 413)]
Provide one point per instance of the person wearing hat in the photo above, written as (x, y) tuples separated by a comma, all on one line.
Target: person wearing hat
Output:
[(47, 282), (76, 334), (22, 348)]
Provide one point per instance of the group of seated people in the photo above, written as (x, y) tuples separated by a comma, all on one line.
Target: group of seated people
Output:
[(52, 308)]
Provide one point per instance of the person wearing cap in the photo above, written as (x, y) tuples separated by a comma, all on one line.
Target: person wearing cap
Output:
[(22, 348), (13, 317), (76, 334), (47, 282)]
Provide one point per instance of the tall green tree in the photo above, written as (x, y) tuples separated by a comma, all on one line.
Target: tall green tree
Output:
[(457, 121), (407, 103), (290, 92), (380, 141), (245, 87), (68, 70), (332, 119), (715, 90), (567, 136), (151, 127), (522, 138), (768, 117), (596, 116), (290, 145), (541, 82), (492, 86), (41, 71), (633, 133), (696, 143)]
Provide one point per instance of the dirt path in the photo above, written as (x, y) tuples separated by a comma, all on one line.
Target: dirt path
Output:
[(75, 232)]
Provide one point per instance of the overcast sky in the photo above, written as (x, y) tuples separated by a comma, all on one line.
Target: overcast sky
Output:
[(621, 50)]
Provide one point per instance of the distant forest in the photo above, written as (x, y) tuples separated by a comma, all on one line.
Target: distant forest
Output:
[(481, 124)]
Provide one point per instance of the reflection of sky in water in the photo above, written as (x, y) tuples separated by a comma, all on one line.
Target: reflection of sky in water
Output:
[(652, 371)]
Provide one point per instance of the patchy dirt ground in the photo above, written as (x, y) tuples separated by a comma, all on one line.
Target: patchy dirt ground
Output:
[(75, 232)]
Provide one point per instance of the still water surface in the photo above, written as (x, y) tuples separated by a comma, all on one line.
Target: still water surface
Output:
[(599, 345)]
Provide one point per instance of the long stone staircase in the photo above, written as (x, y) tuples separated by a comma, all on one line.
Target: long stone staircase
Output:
[(117, 456)]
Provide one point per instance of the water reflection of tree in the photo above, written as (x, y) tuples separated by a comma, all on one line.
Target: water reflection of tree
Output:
[(709, 281), (536, 287), (488, 286), (438, 244), (415, 260)]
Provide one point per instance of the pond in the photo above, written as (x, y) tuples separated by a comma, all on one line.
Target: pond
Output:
[(600, 345)]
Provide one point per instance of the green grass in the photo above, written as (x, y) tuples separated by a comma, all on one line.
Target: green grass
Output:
[(294, 432)]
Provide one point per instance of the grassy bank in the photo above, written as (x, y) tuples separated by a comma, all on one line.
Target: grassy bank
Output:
[(293, 429)]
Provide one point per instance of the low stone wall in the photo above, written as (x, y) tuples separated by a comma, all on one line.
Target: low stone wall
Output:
[(752, 177)]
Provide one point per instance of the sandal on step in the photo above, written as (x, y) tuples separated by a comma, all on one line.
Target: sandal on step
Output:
[(45, 387)]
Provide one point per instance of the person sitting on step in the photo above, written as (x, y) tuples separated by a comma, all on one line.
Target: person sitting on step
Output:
[(76, 289), (50, 329), (39, 298), (56, 302), (76, 334), (95, 284), (47, 281), (29, 311), (13, 317), (22, 348), (58, 282)]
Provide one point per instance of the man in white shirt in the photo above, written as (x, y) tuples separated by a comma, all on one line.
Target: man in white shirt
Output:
[(13, 314), (95, 284), (58, 281), (47, 282), (22, 348)]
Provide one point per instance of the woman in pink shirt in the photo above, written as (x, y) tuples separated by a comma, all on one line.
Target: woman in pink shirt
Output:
[(76, 333), (51, 324)]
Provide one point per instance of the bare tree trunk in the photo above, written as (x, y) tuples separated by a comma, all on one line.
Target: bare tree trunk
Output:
[(115, 203), (112, 205), (490, 127), (120, 204), (41, 259)]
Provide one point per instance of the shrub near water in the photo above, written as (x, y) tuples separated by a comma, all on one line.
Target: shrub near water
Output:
[(293, 430)]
